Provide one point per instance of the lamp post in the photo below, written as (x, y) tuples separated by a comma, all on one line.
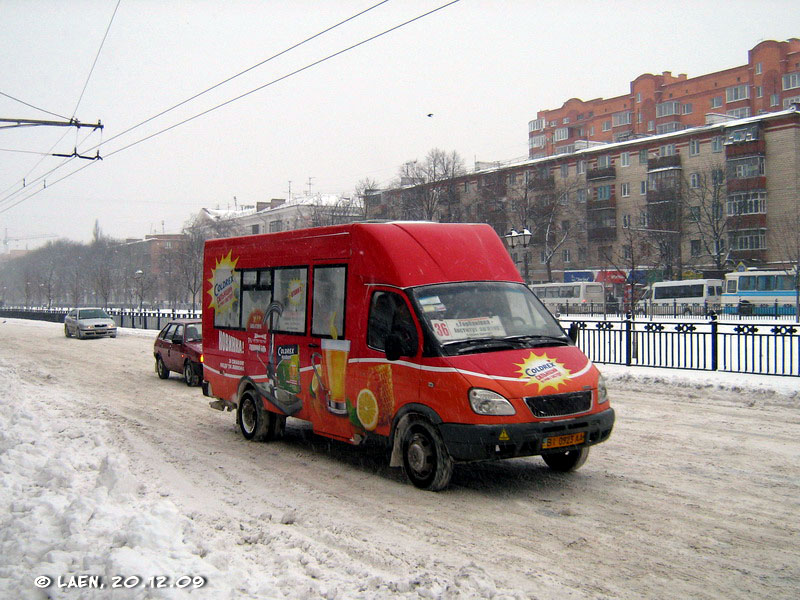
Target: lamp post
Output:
[(138, 276), (516, 239)]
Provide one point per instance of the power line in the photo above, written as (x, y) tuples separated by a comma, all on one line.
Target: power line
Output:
[(259, 88), (324, 31), (33, 107), (97, 56), (239, 74)]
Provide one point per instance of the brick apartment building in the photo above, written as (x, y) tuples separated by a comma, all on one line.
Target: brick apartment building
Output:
[(656, 104), (696, 200)]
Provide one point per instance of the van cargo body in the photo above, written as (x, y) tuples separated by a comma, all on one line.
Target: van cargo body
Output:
[(420, 336)]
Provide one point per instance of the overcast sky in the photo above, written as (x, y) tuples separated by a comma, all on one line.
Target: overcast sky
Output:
[(482, 68)]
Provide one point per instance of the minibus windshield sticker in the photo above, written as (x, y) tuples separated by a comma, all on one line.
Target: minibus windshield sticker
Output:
[(543, 371), (447, 330), (431, 304)]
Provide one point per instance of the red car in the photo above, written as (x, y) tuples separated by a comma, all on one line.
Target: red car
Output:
[(179, 348)]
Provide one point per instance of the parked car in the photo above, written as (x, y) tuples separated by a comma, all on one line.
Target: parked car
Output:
[(179, 348), (89, 322)]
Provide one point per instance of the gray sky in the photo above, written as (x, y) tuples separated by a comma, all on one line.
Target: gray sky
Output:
[(483, 68)]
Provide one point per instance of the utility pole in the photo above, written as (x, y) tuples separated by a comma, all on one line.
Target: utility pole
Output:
[(309, 185)]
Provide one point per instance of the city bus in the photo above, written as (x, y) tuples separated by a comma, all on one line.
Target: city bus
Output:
[(687, 297), (563, 297), (759, 293)]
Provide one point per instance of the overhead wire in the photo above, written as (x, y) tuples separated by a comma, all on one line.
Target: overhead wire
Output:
[(239, 97), (195, 96), (34, 107)]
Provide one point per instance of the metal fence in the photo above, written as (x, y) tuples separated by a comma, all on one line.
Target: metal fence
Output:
[(760, 348), (736, 346)]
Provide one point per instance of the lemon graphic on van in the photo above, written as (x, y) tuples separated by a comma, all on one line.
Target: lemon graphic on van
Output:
[(367, 409)]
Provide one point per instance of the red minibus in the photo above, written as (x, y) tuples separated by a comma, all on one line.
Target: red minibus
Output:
[(419, 336)]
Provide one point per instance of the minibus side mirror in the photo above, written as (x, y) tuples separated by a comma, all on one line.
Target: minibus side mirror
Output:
[(572, 332)]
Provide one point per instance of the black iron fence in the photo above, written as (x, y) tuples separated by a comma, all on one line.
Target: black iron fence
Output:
[(736, 346), (675, 309), (760, 348)]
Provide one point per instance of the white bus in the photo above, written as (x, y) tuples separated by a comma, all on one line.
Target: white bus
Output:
[(687, 297), (578, 296), (759, 293)]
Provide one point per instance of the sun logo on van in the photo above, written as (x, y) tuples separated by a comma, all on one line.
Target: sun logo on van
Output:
[(543, 371), (224, 289)]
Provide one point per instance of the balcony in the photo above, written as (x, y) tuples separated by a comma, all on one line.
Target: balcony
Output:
[(663, 162), (663, 195), (749, 148), (601, 204), (601, 233), (604, 173)]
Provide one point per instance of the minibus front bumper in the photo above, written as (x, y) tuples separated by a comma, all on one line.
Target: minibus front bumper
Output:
[(482, 442)]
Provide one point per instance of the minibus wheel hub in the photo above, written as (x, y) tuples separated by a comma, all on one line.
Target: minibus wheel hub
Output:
[(419, 454)]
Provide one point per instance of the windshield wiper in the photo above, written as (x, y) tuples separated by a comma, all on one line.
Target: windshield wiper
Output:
[(489, 343), (539, 340)]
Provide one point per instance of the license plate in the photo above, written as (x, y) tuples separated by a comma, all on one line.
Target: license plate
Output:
[(563, 440)]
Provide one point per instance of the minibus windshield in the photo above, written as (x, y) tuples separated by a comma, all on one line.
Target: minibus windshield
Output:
[(485, 316)]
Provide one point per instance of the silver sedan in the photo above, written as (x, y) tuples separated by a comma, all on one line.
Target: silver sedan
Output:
[(89, 322)]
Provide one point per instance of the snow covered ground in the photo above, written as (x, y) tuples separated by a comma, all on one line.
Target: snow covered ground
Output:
[(107, 471)]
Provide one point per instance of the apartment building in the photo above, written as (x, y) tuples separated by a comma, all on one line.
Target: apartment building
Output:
[(697, 200), (657, 104)]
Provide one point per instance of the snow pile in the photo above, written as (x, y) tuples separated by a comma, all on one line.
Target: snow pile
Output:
[(70, 506)]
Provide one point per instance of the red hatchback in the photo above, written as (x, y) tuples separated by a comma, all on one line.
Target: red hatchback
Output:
[(179, 348)]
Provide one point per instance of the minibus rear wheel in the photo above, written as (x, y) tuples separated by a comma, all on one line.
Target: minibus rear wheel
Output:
[(426, 462), (564, 462), (254, 420)]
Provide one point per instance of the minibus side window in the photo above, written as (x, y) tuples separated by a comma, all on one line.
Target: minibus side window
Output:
[(327, 318), (290, 289), (256, 296), (389, 313)]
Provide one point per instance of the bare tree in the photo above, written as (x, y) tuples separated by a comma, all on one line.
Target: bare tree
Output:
[(430, 185)]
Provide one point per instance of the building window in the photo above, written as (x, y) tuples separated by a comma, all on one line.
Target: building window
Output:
[(626, 221), (566, 256), (665, 109), (694, 147), (627, 251), (717, 177), (651, 125), (625, 159), (603, 161), (687, 108), (562, 133), (694, 181), (716, 143), (791, 80), (275, 226), (694, 249), (737, 92), (667, 150), (580, 195), (749, 239), (643, 156), (774, 100), (603, 193), (254, 229), (694, 214), (744, 168), (553, 123), (606, 125), (625, 189), (581, 167), (542, 257), (759, 91), (638, 97), (668, 127), (591, 130), (621, 118), (740, 113), (536, 125), (643, 187), (787, 102), (565, 120), (716, 101), (537, 141), (747, 203), (758, 68)]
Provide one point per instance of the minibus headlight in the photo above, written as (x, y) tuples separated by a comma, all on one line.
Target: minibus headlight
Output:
[(487, 402), (602, 391)]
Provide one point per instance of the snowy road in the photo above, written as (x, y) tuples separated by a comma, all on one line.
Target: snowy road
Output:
[(107, 470)]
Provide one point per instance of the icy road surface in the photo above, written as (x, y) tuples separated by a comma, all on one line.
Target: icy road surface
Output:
[(105, 470)]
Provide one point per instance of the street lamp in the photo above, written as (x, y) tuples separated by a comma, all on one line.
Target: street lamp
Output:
[(138, 276), (520, 240)]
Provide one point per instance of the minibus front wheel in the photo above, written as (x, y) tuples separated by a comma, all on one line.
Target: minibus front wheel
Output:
[(426, 462), (564, 462)]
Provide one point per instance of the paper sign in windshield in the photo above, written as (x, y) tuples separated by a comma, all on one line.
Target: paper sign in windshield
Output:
[(462, 329)]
